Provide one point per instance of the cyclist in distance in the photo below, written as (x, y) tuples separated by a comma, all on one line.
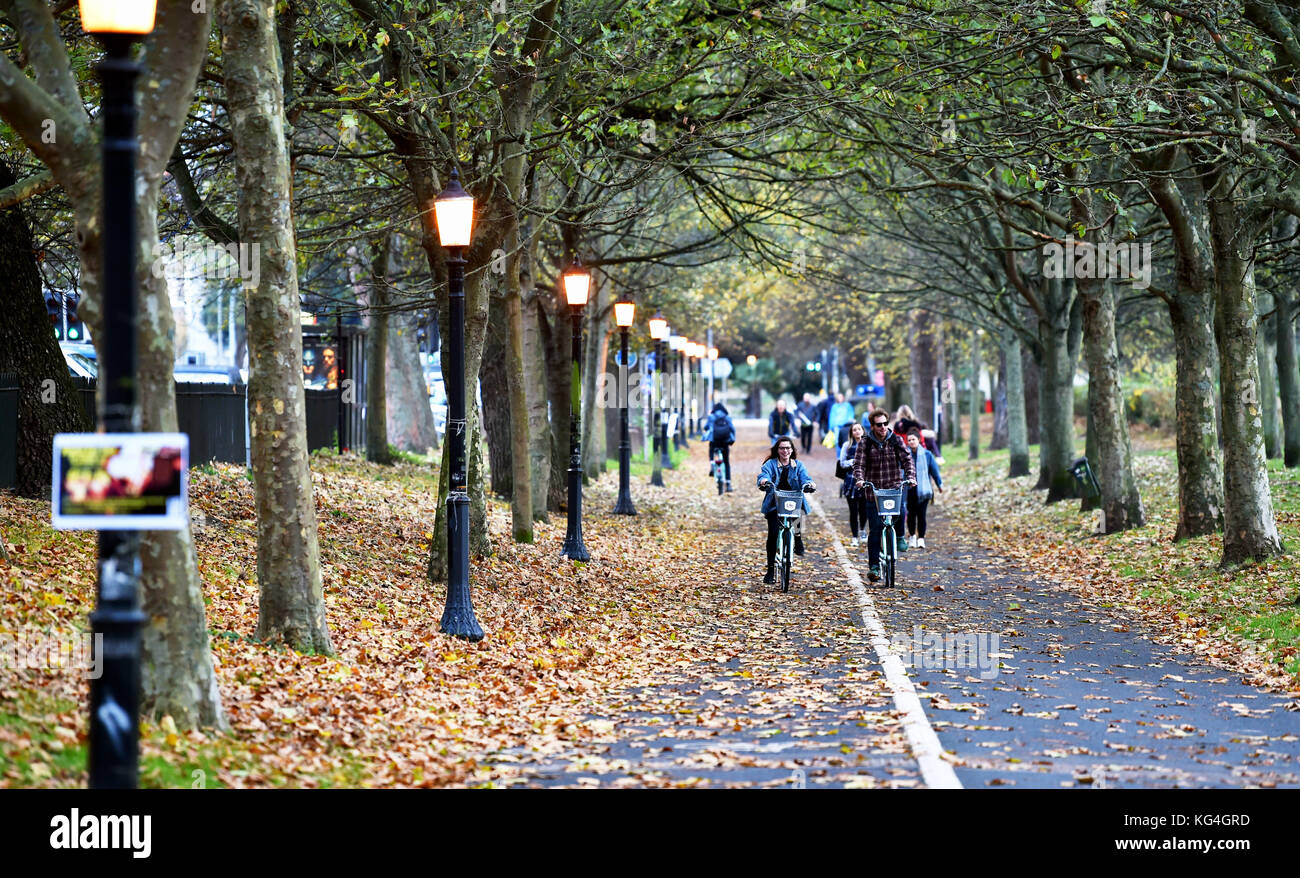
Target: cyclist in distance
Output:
[(783, 470), (721, 434), (884, 461)]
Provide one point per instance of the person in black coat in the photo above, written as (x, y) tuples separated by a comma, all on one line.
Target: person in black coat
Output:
[(780, 422)]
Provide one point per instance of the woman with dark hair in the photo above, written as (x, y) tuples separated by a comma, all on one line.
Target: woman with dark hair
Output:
[(783, 470), (849, 490), (920, 494)]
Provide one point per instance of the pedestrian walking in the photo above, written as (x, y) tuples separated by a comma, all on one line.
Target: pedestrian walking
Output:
[(840, 418), (855, 496), (920, 494), (804, 418), (780, 422)]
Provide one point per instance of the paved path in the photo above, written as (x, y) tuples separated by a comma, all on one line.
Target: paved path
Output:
[(1082, 698), (797, 695)]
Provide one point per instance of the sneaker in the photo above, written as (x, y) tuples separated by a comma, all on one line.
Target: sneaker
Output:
[(902, 545), (728, 487), (798, 545), (920, 542), (874, 573), (770, 578), (854, 542)]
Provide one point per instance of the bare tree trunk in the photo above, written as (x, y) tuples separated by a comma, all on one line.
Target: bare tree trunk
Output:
[(48, 401), (521, 499), (1266, 354), (998, 381), (539, 427), (923, 358), (498, 418), (1107, 426), (1287, 378), (595, 356), (976, 397), (377, 355), (292, 607), (1056, 410), (1017, 435), (557, 336), (1249, 528), (409, 416)]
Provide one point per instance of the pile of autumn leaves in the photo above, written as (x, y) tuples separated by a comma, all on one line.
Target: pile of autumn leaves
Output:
[(399, 703)]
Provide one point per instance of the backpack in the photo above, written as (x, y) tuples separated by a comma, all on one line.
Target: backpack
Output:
[(722, 430)]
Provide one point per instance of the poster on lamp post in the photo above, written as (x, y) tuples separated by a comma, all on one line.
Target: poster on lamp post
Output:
[(120, 481)]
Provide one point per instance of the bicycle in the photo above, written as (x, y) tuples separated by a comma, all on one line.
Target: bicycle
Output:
[(719, 470), (789, 508), (888, 503)]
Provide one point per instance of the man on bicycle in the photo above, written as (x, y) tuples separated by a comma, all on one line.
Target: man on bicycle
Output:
[(884, 461), (721, 435)]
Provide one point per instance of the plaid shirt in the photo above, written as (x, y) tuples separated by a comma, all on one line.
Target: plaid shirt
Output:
[(882, 463)]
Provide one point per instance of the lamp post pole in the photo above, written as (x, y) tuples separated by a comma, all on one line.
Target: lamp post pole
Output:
[(458, 617), (573, 548), (115, 694), (623, 313), (624, 505), (658, 452)]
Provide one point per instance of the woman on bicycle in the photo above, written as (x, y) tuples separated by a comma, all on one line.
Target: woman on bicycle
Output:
[(856, 496), (782, 469)]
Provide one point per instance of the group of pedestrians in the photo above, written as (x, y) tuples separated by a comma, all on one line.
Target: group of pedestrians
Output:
[(872, 451)]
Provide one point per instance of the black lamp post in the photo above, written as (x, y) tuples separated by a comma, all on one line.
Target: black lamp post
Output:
[(577, 286), (624, 314), (659, 332), (454, 213), (115, 696)]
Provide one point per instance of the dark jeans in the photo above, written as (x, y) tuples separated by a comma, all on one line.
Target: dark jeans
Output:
[(916, 507), (858, 515), (805, 434), (726, 457)]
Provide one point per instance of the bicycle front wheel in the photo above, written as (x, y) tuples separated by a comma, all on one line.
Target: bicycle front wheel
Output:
[(891, 559), (788, 552)]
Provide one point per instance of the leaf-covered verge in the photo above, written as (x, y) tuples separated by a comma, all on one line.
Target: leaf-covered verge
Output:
[(400, 704), (1244, 618)]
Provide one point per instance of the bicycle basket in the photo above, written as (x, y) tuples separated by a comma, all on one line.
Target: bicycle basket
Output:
[(789, 504), (889, 502)]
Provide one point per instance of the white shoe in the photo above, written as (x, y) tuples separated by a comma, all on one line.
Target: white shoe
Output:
[(920, 542), (854, 542)]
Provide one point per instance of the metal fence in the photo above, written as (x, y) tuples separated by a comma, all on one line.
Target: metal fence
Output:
[(214, 417)]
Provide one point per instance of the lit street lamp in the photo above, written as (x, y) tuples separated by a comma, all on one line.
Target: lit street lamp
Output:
[(115, 695), (577, 286), (624, 314), (659, 331), (454, 213)]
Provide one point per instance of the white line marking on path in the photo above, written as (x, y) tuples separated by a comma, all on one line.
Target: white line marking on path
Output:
[(936, 773)]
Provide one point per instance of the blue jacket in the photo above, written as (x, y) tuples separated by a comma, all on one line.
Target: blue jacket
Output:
[(772, 472), (927, 468), (841, 414)]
